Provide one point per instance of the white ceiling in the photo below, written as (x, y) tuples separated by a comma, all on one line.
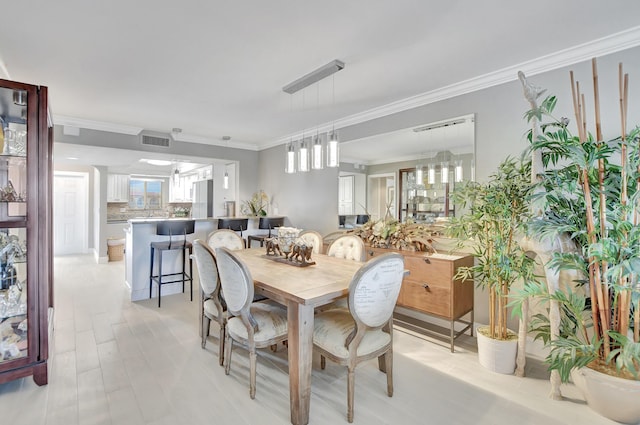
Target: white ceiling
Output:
[(217, 68)]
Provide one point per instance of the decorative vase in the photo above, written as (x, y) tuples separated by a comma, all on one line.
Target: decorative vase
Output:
[(495, 354), (612, 397)]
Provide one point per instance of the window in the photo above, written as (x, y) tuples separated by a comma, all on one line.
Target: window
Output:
[(145, 194)]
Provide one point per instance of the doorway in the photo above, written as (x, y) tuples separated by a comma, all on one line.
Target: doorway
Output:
[(70, 213), (381, 196)]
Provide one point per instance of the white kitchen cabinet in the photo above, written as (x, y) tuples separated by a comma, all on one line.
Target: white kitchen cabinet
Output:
[(117, 188)]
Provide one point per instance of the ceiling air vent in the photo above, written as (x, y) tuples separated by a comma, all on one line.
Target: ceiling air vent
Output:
[(155, 140)]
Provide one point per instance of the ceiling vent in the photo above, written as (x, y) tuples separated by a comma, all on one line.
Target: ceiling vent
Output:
[(161, 140)]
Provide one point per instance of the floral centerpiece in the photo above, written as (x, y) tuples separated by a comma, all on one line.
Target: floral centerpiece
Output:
[(390, 233), (256, 206)]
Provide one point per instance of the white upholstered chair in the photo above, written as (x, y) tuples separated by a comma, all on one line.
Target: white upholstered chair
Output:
[(364, 331), (313, 238), (225, 238), (253, 325), (349, 247), (211, 307)]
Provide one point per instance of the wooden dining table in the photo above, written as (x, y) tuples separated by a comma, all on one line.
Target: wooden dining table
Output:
[(301, 290)]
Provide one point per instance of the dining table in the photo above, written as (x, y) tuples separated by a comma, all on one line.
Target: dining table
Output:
[(301, 289)]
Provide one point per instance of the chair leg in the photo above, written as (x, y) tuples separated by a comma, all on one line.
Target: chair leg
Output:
[(228, 342), (222, 344), (151, 271), (388, 357), (206, 324), (252, 377), (159, 276), (183, 268), (191, 273), (351, 380)]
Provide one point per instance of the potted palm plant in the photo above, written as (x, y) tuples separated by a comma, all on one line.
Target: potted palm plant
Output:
[(591, 191), (498, 214)]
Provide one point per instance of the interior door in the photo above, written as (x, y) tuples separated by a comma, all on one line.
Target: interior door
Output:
[(70, 214)]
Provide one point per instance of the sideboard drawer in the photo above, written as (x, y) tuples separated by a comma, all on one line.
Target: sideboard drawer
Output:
[(429, 270), (429, 298)]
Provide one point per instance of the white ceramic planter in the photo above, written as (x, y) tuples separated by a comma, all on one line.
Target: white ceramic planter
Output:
[(496, 355), (614, 398)]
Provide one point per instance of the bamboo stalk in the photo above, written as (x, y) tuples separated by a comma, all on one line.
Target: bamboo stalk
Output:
[(600, 320)]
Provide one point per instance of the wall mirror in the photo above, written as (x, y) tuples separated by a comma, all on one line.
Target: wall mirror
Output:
[(409, 173)]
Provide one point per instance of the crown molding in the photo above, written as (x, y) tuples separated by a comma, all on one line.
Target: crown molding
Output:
[(96, 125), (603, 46), (188, 138)]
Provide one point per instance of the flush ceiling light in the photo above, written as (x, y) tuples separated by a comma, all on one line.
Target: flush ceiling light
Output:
[(314, 76), (158, 162)]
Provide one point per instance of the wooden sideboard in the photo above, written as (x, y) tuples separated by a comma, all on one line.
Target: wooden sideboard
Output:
[(430, 288)]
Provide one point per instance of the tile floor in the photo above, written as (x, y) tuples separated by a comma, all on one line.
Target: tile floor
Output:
[(117, 362)]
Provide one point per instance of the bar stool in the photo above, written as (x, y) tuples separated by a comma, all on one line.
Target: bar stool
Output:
[(265, 223), (235, 224), (179, 229)]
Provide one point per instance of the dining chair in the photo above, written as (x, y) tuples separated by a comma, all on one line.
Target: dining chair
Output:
[(225, 238), (235, 224), (365, 330), (313, 238), (211, 307), (251, 324), (349, 247)]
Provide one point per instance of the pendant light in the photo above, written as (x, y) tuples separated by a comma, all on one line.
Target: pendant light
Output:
[(317, 160), (458, 172), (333, 159), (225, 179), (431, 174), (444, 173), (303, 156), (290, 158), (419, 175)]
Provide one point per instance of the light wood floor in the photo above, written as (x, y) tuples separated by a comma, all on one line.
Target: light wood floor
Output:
[(118, 362)]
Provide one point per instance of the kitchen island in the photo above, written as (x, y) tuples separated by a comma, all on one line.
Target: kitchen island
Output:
[(140, 232)]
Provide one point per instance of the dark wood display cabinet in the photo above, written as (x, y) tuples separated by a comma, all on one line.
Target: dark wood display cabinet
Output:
[(26, 268)]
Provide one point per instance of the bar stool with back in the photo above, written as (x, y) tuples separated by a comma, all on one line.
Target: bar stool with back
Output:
[(179, 230), (235, 224), (269, 223)]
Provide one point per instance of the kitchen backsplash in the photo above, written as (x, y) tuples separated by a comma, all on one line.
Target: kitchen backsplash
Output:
[(119, 211)]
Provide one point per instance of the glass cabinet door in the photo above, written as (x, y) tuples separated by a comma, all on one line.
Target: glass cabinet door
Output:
[(14, 325)]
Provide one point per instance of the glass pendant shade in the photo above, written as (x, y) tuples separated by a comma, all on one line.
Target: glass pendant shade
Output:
[(317, 159), (290, 159), (458, 172), (431, 174), (225, 180), (419, 175), (332, 150), (303, 157), (444, 173)]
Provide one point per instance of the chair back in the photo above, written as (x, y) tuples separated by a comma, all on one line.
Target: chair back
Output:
[(349, 247), (173, 228), (313, 238), (374, 290), (225, 238), (236, 282), (270, 222), (363, 218), (235, 224), (207, 268)]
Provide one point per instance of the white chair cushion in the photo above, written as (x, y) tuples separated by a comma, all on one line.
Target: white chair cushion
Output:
[(271, 320), (228, 240), (348, 247), (332, 328)]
